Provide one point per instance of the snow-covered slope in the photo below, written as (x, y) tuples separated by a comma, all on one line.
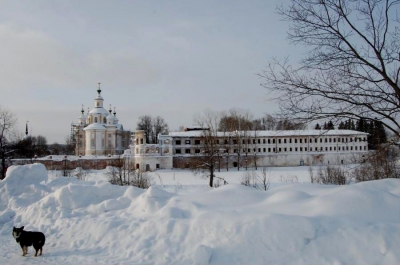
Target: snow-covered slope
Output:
[(94, 222)]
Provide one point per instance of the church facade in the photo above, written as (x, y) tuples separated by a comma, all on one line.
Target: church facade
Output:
[(99, 132)]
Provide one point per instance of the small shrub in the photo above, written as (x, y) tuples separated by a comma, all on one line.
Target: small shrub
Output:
[(337, 175), (256, 179), (289, 178)]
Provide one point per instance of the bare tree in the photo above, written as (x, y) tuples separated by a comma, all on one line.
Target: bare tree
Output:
[(205, 161), (352, 68), (7, 124), (152, 127), (159, 127), (145, 123), (69, 146)]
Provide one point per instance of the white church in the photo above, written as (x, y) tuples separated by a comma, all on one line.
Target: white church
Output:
[(99, 132)]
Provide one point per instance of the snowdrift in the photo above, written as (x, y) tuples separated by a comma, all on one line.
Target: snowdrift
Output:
[(98, 223)]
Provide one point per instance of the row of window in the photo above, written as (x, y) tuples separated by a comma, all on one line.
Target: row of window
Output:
[(284, 140), (274, 150), (96, 120)]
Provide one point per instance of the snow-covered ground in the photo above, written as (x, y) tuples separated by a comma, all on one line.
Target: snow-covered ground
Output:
[(181, 220)]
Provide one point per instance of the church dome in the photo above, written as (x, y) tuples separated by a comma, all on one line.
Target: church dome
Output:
[(101, 111)]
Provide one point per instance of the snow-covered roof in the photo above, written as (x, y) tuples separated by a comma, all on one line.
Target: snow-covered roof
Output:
[(95, 126), (274, 133), (102, 111)]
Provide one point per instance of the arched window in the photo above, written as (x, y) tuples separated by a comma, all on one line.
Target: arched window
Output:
[(95, 119), (104, 120)]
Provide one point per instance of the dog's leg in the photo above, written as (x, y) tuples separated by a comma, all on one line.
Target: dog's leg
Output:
[(40, 252), (24, 250)]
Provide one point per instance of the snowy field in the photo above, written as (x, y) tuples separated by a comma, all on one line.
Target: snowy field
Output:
[(181, 220)]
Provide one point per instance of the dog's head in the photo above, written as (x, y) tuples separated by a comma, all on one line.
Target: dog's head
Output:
[(17, 231)]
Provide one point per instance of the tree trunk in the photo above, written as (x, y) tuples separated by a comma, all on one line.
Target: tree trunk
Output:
[(211, 175), (3, 168)]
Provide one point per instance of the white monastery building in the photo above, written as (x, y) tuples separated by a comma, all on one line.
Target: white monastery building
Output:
[(250, 148), (99, 131)]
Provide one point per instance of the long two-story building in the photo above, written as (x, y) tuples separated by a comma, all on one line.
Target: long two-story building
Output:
[(249, 148)]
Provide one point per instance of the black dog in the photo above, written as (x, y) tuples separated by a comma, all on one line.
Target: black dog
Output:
[(27, 238)]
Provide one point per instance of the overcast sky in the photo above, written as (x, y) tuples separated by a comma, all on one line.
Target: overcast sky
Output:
[(168, 58)]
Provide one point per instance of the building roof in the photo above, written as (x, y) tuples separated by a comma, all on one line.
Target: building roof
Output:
[(95, 126), (99, 111), (274, 133)]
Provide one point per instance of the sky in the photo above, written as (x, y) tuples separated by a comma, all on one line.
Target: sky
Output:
[(173, 59)]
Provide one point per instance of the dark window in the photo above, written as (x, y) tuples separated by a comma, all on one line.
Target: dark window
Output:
[(284, 141), (301, 140), (301, 148), (269, 141), (326, 140), (254, 141), (290, 149), (178, 151), (187, 151), (269, 150), (178, 142), (263, 141), (157, 166), (295, 141), (280, 150), (320, 140), (235, 141), (295, 149), (197, 151), (274, 150), (279, 140), (264, 150), (226, 142), (290, 140), (197, 142), (141, 141), (259, 141), (273, 141), (305, 149)]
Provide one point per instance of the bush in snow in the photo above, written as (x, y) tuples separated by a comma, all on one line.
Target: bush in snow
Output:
[(381, 165), (256, 179), (122, 172), (337, 175)]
